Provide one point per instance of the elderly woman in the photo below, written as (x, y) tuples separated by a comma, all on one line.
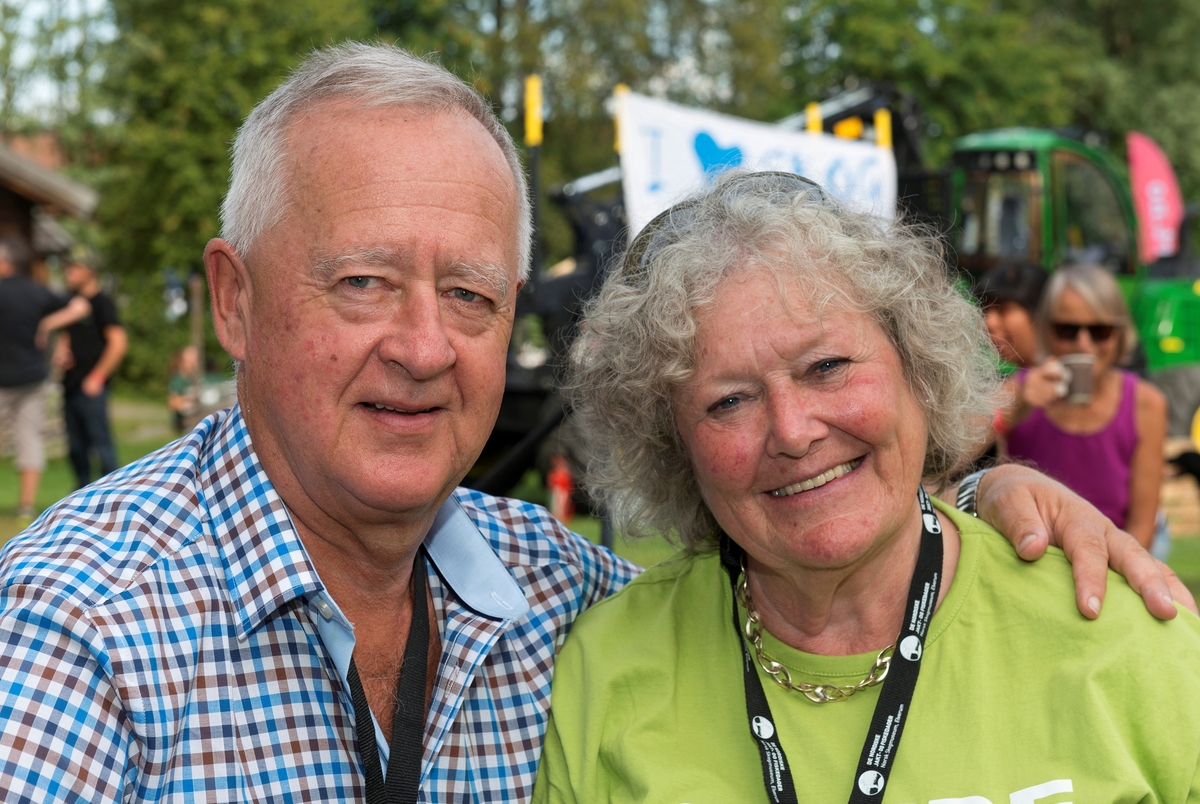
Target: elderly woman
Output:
[(772, 378)]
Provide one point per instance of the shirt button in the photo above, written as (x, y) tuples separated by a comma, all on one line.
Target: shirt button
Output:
[(325, 609)]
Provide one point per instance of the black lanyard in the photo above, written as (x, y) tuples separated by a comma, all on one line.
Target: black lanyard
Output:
[(408, 718), (891, 710)]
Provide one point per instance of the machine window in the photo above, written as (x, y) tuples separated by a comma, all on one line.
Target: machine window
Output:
[(1095, 228), (1000, 215)]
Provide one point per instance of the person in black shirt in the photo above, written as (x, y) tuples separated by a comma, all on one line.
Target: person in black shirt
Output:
[(90, 354), (28, 313)]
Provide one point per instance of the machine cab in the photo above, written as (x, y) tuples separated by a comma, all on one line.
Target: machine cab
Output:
[(1031, 195)]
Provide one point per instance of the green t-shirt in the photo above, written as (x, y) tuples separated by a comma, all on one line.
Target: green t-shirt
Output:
[(1019, 700)]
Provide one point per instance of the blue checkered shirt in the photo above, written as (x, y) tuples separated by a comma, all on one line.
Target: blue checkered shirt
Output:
[(161, 641)]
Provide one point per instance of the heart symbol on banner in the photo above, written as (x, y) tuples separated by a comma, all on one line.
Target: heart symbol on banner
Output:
[(713, 158)]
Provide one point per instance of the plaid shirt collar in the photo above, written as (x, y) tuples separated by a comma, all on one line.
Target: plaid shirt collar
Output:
[(267, 566), (265, 562)]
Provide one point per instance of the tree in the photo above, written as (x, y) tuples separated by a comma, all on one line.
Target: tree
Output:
[(1142, 75), (14, 73), (428, 27), (1105, 65), (47, 53), (179, 79)]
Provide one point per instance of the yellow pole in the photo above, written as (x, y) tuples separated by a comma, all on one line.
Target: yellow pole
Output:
[(883, 128), (533, 151), (813, 118), (618, 91), (533, 110)]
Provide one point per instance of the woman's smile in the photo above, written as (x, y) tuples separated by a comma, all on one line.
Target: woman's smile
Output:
[(828, 476)]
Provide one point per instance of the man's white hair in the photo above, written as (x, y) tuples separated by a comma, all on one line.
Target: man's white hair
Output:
[(370, 75)]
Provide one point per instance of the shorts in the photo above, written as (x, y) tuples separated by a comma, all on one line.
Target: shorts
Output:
[(23, 411)]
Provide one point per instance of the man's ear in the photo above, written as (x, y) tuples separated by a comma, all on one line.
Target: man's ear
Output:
[(229, 288)]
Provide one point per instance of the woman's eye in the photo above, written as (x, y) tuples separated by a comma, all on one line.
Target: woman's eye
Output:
[(360, 282), (462, 294), (826, 366), (725, 404)]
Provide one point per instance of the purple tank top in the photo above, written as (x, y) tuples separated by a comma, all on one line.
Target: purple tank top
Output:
[(1095, 466)]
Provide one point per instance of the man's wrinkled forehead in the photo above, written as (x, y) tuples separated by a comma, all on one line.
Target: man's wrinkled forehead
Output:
[(317, 123), (316, 132)]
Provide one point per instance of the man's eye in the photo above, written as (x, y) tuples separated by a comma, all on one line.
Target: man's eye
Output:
[(462, 294), (360, 282)]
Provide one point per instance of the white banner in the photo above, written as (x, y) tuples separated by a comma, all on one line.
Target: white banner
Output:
[(669, 151)]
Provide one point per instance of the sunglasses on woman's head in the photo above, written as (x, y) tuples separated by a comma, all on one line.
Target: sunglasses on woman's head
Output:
[(660, 231), (1069, 332)]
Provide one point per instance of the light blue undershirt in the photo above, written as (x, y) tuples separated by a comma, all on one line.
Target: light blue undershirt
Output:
[(466, 563)]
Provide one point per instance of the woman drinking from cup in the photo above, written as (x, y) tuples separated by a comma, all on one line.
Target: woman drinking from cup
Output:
[(1081, 419), (770, 379)]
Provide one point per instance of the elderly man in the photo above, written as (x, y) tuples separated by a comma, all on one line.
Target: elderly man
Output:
[(227, 620)]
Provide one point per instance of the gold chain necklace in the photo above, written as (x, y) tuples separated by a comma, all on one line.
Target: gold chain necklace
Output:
[(818, 693)]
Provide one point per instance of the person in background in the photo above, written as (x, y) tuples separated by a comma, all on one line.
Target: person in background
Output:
[(181, 391), (90, 353), (1109, 449), (28, 314), (1009, 296)]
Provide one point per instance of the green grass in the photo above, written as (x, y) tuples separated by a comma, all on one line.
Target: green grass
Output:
[(643, 552), (139, 427), (1185, 560)]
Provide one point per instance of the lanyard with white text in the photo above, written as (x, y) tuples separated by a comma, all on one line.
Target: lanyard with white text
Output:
[(408, 717), (891, 710)]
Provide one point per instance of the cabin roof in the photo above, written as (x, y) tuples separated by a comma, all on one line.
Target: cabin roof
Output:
[(46, 187)]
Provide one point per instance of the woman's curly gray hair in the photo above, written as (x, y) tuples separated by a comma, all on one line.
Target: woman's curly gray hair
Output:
[(636, 340)]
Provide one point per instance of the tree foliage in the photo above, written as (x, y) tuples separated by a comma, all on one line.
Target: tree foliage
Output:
[(13, 73), (48, 62), (1107, 65), (179, 79), (428, 27), (1142, 74)]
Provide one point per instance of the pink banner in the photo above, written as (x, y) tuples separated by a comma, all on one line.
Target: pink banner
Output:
[(1156, 198)]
